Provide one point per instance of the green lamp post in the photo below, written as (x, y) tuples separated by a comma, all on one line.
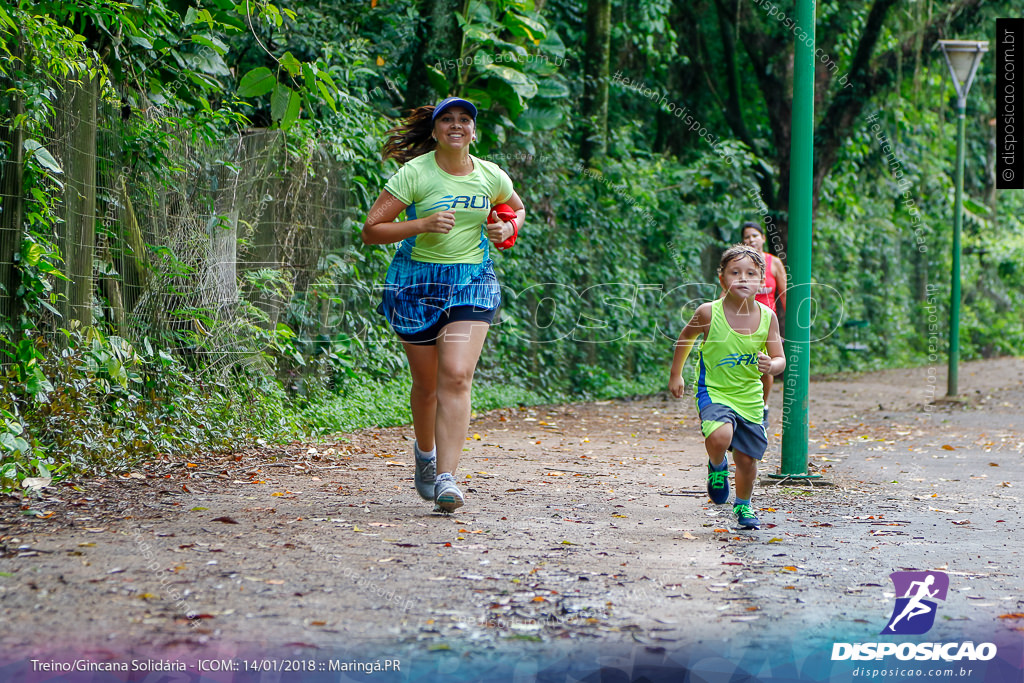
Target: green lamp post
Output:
[(798, 309), (962, 57)]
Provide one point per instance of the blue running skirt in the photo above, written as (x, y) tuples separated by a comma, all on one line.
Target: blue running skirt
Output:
[(417, 292)]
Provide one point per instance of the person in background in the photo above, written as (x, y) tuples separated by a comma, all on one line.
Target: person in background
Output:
[(772, 292)]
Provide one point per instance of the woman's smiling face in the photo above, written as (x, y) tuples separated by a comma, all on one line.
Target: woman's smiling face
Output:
[(454, 128)]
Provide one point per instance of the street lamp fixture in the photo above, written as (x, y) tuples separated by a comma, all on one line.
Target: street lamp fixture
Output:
[(962, 58)]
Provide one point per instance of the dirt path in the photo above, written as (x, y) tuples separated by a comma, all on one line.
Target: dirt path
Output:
[(585, 526)]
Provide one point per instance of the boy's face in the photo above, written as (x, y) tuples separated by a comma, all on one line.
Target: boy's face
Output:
[(741, 277)]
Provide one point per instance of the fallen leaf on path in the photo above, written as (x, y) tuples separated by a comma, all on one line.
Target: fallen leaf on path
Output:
[(690, 537), (775, 540), (947, 447), (225, 520)]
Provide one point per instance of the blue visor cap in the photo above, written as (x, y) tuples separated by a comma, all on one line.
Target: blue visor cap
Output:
[(453, 102)]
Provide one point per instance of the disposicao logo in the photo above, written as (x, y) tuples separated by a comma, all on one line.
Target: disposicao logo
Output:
[(914, 614)]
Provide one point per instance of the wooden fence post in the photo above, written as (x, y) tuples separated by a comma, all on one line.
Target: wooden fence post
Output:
[(12, 210), (80, 195)]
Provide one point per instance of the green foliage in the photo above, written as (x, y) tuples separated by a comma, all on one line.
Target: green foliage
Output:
[(510, 66), (611, 262)]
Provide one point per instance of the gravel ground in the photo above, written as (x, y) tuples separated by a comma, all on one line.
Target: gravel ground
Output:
[(586, 528)]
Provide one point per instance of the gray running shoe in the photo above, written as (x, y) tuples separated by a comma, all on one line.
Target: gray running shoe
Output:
[(446, 494), (424, 475)]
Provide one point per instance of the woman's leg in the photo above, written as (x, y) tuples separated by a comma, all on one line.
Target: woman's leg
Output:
[(423, 397), (458, 349)]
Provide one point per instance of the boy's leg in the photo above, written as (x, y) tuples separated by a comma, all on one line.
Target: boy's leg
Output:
[(746, 474), (716, 443)]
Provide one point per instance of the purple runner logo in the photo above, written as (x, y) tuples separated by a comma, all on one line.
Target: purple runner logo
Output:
[(914, 612)]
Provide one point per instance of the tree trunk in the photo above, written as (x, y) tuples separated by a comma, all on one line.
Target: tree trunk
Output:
[(440, 39), (133, 263), (596, 65), (11, 217), (80, 204), (110, 288), (268, 154)]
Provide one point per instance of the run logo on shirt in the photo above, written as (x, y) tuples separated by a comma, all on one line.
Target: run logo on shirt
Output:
[(449, 202), (734, 359)]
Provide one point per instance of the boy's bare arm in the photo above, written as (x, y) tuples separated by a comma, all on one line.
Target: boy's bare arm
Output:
[(698, 325), (774, 362)]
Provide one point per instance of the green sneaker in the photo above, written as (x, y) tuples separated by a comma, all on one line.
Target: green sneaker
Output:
[(718, 485), (745, 517)]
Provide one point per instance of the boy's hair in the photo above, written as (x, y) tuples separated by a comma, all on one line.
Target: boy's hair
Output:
[(738, 251)]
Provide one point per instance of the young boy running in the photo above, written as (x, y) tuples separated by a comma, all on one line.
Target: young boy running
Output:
[(737, 332)]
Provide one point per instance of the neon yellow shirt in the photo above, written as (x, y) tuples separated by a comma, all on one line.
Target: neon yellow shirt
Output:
[(426, 189), (727, 365)]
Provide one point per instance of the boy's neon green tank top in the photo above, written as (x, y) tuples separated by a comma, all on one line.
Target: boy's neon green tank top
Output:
[(727, 365)]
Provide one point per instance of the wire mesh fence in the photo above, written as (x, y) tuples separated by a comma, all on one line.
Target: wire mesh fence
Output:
[(210, 244)]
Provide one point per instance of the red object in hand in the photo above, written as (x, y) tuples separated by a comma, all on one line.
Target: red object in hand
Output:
[(504, 212)]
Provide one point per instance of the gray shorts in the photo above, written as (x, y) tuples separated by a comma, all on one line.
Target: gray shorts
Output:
[(749, 438)]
